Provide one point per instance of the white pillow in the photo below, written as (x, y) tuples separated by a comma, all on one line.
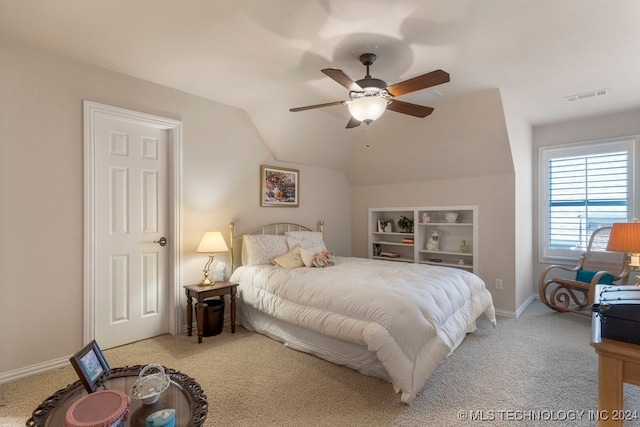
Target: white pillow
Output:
[(307, 254), (291, 259), (305, 239), (262, 248)]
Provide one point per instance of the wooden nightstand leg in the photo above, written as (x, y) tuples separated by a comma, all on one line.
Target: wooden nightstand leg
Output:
[(189, 315), (233, 310), (200, 318)]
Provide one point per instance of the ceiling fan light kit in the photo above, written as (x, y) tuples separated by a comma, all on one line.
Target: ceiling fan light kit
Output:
[(367, 108), (371, 97)]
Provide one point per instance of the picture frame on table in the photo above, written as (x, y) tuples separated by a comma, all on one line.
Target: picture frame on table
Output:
[(91, 366), (279, 186)]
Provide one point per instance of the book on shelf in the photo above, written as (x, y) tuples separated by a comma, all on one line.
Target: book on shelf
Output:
[(408, 241), (389, 255)]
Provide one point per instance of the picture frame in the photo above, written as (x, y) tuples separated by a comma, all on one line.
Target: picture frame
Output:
[(279, 186), (385, 225), (91, 366)]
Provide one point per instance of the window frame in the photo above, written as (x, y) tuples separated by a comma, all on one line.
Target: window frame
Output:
[(596, 147)]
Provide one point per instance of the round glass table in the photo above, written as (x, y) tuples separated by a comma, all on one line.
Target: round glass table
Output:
[(184, 395)]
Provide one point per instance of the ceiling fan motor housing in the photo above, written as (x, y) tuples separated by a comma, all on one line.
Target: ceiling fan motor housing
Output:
[(371, 82), (370, 87)]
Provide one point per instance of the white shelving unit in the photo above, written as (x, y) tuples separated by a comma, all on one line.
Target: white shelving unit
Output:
[(451, 235)]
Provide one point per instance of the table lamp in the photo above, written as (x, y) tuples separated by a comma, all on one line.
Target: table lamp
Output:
[(212, 242), (625, 237)]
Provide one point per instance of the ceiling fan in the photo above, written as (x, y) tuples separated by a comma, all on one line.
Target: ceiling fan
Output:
[(370, 97)]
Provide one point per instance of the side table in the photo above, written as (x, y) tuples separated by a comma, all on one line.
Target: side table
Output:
[(184, 395), (201, 292), (618, 363)]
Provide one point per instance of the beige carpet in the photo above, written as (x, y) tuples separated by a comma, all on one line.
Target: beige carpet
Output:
[(537, 366)]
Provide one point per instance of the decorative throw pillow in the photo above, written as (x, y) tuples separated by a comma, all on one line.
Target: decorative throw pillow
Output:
[(262, 248), (305, 239), (323, 259), (587, 276), (308, 254), (291, 259)]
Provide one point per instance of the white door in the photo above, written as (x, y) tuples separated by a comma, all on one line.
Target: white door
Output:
[(131, 282)]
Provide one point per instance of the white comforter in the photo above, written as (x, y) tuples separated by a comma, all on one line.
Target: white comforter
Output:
[(411, 315)]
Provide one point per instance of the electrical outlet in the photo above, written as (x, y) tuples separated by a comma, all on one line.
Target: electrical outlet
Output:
[(498, 283)]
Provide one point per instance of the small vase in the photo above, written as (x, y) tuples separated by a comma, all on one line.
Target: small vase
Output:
[(463, 247)]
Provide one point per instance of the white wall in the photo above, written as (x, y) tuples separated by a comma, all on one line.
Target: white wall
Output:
[(41, 191), (520, 141), (590, 129), (469, 152), (464, 137), (460, 155), (492, 194)]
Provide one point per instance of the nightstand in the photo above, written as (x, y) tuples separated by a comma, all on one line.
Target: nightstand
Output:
[(201, 292)]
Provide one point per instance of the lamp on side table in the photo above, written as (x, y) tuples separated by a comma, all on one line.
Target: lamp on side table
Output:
[(625, 237), (212, 242)]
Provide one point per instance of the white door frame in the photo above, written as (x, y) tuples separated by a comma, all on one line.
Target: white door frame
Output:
[(93, 110)]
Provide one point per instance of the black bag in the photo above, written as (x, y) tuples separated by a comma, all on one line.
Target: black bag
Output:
[(619, 312)]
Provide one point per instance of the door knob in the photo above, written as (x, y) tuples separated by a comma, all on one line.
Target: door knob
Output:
[(162, 241)]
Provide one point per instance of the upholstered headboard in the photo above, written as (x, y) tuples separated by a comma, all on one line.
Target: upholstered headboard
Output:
[(278, 228)]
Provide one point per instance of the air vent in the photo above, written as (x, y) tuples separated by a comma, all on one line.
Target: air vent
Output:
[(581, 96)]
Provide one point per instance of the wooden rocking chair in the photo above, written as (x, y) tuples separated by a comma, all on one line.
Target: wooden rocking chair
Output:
[(596, 265)]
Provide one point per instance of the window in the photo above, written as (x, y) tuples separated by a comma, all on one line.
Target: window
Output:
[(583, 187)]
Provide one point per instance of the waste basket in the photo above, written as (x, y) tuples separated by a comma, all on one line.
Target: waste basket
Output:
[(213, 316)]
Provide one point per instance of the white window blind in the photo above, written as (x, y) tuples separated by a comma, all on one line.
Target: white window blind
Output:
[(585, 186)]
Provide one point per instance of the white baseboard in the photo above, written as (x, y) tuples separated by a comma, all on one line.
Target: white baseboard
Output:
[(33, 369), (525, 304), (505, 313), (6, 377), (519, 310)]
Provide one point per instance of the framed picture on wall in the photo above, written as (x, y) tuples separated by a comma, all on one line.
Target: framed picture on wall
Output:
[(91, 366), (279, 186)]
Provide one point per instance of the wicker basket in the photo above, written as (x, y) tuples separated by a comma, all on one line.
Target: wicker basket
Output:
[(151, 382)]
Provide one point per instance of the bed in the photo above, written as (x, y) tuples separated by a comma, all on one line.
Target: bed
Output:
[(391, 320)]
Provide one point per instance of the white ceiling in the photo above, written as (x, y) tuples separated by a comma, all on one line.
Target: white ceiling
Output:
[(265, 56)]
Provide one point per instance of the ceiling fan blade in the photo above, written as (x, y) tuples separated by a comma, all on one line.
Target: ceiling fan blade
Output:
[(410, 109), (340, 77), (311, 107), (424, 81), (353, 123)]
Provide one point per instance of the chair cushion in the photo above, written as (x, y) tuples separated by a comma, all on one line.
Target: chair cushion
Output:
[(587, 276)]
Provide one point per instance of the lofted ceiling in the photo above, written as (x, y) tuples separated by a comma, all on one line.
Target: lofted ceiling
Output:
[(265, 57)]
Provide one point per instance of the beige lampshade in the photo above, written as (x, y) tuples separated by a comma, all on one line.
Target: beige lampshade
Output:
[(625, 237), (212, 242)]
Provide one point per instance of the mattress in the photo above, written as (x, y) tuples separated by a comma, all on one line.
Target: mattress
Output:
[(409, 316)]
